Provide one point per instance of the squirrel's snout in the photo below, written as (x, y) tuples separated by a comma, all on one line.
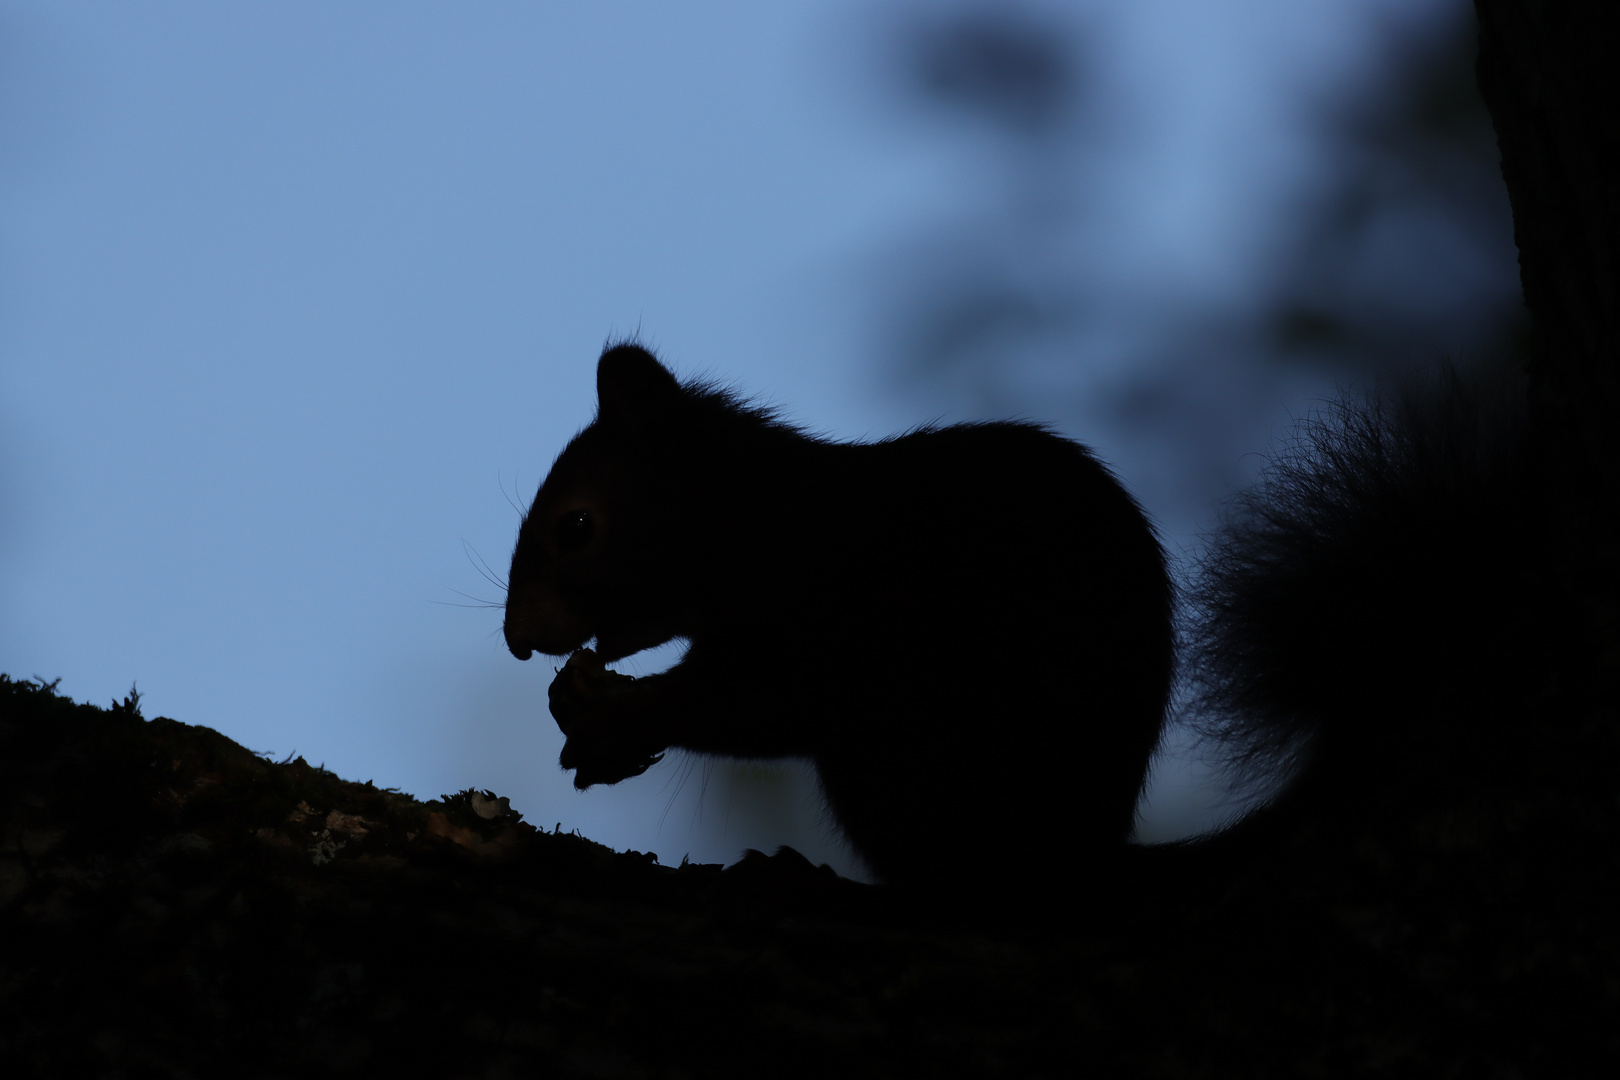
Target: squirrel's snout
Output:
[(518, 648)]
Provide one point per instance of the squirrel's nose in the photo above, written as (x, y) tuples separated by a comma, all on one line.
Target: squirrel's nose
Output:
[(519, 649)]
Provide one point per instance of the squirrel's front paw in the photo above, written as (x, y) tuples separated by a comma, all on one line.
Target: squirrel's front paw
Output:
[(604, 744), (593, 765)]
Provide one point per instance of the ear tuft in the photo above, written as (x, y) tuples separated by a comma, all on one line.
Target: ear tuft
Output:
[(631, 385)]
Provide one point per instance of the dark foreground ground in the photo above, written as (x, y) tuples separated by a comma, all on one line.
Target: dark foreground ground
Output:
[(172, 905)]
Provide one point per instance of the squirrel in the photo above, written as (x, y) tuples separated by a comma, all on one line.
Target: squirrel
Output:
[(961, 627), (970, 630)]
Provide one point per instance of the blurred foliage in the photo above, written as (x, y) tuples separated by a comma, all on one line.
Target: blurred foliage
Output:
[(992, 62), (1408, 237), (1394, 247)]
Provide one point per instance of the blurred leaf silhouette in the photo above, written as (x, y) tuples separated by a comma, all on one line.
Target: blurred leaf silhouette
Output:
[(993, 62), (1393, 246)]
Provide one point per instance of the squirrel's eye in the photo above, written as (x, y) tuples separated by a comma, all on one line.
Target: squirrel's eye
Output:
[(574, 530)]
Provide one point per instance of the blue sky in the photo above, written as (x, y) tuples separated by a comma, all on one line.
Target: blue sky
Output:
[(297, 299)]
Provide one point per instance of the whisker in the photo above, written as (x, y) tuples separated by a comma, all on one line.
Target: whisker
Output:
[(476, 602), (516, 504), (482, 567)]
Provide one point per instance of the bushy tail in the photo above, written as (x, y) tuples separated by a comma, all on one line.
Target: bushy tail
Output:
[(1376, 625)]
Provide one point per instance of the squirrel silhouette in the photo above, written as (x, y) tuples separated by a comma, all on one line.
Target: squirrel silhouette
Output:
[(969, 629)]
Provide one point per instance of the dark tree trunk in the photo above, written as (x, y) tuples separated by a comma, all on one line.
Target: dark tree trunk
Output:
[(1548, 72)]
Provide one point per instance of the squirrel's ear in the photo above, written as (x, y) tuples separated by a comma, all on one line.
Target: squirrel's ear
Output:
[(631, 385)]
